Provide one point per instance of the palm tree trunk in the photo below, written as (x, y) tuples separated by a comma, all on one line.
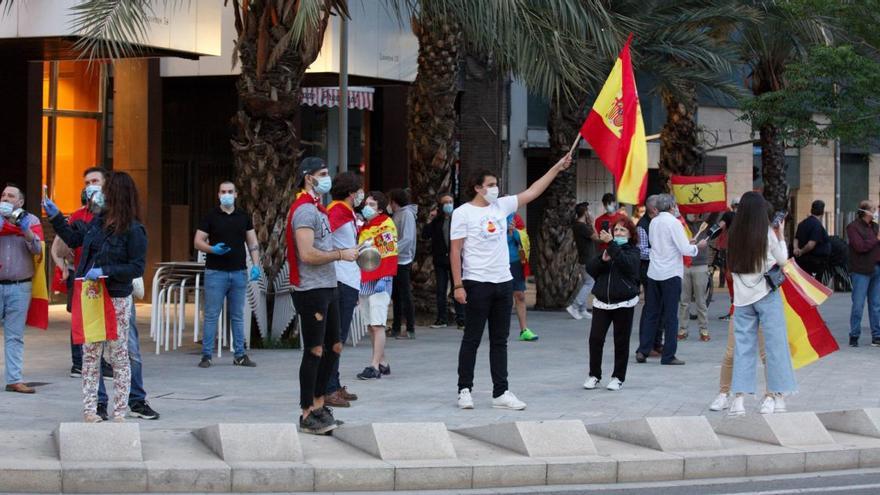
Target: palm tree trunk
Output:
[(773, 167), (431, 132), (555, 258), (680, 153)]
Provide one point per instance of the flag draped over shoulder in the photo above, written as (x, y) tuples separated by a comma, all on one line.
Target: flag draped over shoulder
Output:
[(616, 131), (92, 317), (808, 336), (339, 213), (38, 310), (301, 198), (699, 193), (382, 232)]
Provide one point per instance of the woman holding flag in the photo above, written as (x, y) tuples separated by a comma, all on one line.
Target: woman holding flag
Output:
[(114, 249)]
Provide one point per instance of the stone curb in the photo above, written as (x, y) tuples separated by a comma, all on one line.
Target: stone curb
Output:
[(421, 456)]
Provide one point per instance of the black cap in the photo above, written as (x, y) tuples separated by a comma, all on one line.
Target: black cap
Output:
[(309, 165)]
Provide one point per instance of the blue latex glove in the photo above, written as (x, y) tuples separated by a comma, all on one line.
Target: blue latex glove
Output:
[(94, 274), (255, 273), (50, 208), (220, 248), (380, 285), (25, 223)]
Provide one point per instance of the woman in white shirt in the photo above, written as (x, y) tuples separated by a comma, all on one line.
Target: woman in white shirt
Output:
[(758, 248)]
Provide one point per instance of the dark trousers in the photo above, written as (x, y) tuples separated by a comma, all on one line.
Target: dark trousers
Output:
[(443, 276), (401, 295), (643, 278), (811, 263), (660, 311), (602, 319), (492, 303), (348, 299), (318, 310)]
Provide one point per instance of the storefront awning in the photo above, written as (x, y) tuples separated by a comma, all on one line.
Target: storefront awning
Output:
[(358, 97)]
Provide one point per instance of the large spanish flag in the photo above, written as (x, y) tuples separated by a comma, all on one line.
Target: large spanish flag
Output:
[(92, 317), (699, 193), (813, 291), (38, 309), (615, 130), (808, 335)]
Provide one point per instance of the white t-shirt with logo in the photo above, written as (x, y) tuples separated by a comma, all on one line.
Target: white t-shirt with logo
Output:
[(485, 256)]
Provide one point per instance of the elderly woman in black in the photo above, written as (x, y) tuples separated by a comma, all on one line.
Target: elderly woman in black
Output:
[(615, 295)]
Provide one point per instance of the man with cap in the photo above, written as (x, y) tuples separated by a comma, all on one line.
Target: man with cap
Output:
[(311, 257)]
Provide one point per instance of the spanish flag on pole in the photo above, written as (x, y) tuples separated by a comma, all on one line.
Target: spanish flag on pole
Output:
[(699, 193), (615, 130)]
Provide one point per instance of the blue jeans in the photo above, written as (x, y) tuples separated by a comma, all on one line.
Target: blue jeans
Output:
[(137, 393), (660, 311), (865, 287), (14, 302), (348, 300), (768, 313), (220, 286)]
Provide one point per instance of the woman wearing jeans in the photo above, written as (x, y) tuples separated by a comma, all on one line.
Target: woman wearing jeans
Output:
[(758, 247), (114, 246)]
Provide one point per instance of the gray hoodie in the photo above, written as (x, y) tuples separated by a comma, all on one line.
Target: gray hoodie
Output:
[(405, 221)]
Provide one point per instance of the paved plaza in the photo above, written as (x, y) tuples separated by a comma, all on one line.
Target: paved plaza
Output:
[(546, 374)]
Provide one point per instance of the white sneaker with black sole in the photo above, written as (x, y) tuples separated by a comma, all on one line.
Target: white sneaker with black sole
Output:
[(465, 401), (508, 401)]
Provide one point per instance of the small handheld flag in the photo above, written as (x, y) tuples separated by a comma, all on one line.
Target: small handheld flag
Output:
[(93, 318)]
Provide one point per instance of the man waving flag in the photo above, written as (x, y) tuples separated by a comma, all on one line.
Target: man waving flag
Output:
[(615, 130)]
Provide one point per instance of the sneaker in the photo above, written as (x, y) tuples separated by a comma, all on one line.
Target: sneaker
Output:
[(508, 401), (465, 401), (385, 369), (682, 335), (587, 314), (460, 324), (853, 341), (779, 404), (92, 418), (439, 324), (106, 369), (369, 373), (875, 342), (720, 403), (768, 404), (737, 407), (336, 400), (574, 312), (640, 358), (76, 372), (345, 394), (314, 425), (244, 361), (704, 337), (325, 415), (102, 412), (142, 410), (205, 362), (614, 385), (527, 335), (591, 383)]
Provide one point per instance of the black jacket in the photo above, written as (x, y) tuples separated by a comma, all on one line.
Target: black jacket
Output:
[(120, 256), (439, 246), (617, 280)]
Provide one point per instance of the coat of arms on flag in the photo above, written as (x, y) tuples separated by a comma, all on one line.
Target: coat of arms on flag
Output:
[(699, 193), (93, 318)]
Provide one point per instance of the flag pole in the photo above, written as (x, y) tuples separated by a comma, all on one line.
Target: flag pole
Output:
[(575, 144)]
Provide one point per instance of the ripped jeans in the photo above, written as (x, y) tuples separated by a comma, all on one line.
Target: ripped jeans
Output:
[(318, 310)]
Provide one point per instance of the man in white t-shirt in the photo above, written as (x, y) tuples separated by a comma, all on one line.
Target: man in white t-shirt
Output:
[(482, 280)]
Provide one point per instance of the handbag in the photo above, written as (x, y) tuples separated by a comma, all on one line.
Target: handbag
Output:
[(774, 277)]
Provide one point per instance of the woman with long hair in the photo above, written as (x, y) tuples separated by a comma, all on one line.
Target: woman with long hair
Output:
[(114, 248), (757, 247)]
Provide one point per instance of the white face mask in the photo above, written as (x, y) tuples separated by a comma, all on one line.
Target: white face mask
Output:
[(491, 194), (611, 208)]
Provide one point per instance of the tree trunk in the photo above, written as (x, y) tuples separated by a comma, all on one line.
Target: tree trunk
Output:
[(774, 167), (680, 152), (432, 121), (555, 256)]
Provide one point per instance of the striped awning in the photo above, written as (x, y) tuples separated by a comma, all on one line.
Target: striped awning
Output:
[(358, 97)]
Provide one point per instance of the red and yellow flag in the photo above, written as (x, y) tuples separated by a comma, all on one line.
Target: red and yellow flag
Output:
[(38, 310), (92, 316), (813, 291), (699, 193), (808, 336), (382, 232), (616, 131)]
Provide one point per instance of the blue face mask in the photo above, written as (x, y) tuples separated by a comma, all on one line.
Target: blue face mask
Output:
[(324, 184), (92, 189), (620, 241), (447, 208), (227, 200), (369, 212)]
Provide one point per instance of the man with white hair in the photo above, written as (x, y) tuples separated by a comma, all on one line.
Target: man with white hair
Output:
[(665, 271)]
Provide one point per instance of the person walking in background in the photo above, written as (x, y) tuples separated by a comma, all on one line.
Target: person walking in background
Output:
[(224, 234), (347, 193), (811, 246), (616, 294), (517, 247), (863, 237), (404, 216), (609, 216), (759, 248), (437, 231), (584, 238), (376, 285), (695, 286)]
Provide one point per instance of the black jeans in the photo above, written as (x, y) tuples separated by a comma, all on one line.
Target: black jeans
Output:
[(443, 275), (660, 311), (318, 310), (348, 299), (486, 302), (602, 319), (401, 295)]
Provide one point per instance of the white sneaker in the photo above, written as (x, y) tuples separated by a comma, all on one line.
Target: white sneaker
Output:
[(737, 407), (591, 383), (574, 312), (508, 401), (465, 401), (779, 404), (720, 403), (768, 404), (614, 384), (587, 314)]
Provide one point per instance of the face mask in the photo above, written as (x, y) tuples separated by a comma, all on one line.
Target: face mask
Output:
[(6, 208), (358, 198), (227, 200), (447, 208), (676, 213), (491, 194), (98, 199), (369, 212), (389, 210), (92, 189), (324, 184), (620, 241)]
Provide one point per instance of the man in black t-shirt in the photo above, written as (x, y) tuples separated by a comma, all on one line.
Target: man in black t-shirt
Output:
[(223, 235), (811, 246)]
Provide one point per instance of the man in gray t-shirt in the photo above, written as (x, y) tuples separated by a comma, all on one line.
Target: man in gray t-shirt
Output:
[(311, 276)]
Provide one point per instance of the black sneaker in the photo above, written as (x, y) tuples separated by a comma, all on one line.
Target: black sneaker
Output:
[(325, 414), (460, 324), (142, 410), (205, 362), (385, 370), (875, 342), (369, 373), (244, 361), (315, 424), (76, 372), (853, 341), (102, 412), (439, 324)]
